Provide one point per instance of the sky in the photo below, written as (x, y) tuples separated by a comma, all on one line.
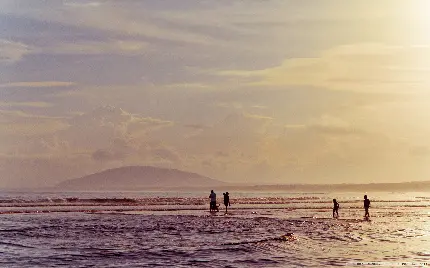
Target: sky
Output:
[(244, 91)]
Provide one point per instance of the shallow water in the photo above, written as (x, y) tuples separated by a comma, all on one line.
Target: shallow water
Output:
[(134, 229)]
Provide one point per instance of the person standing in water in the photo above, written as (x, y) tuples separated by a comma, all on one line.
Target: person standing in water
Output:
[(335, 208), (366, 207), (226, 201), (212, 206)]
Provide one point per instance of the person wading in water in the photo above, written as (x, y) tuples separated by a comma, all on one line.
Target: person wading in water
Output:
[(366, 207), (226, 201), (335, 208), (212, 206)]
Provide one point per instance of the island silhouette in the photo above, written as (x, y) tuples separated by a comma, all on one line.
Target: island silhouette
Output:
[(139, 178)]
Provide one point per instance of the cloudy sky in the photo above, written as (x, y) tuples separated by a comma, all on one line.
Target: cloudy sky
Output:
[(273, 91)]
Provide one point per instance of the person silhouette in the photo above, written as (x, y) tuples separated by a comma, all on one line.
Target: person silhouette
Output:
[(212, 206), (366, 207), (335, 208), (226, 201)]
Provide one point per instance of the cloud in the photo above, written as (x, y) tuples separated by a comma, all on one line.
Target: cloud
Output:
[(258, 148), (225, 144), (101, 126), (333, 126), (137, 124), (131, 19), (357, 67), (37, 84), (419, 151), (76, 40), (104, 155), (109, 47), (82, 4), (196, 126), (196, 86), (11, 52), (105, 128), (165, 153), (21, 124), (26, 104)]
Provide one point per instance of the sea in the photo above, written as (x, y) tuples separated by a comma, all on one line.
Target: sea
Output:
[(176, 229)]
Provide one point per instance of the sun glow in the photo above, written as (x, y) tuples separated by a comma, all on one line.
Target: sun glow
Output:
[(416, 20)]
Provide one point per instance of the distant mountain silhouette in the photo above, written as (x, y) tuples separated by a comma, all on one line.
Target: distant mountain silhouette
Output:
[(139, 178)]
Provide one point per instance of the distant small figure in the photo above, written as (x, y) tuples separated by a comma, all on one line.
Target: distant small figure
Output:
[(335, 208), (213, 206), (226, 200), (366, 207)]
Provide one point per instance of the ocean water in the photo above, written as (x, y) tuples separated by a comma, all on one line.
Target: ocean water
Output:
[(175, 229)]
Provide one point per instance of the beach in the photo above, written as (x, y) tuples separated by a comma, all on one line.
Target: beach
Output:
[(175, 229)]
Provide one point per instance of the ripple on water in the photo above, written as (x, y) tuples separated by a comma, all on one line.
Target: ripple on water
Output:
[(267, 238)]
